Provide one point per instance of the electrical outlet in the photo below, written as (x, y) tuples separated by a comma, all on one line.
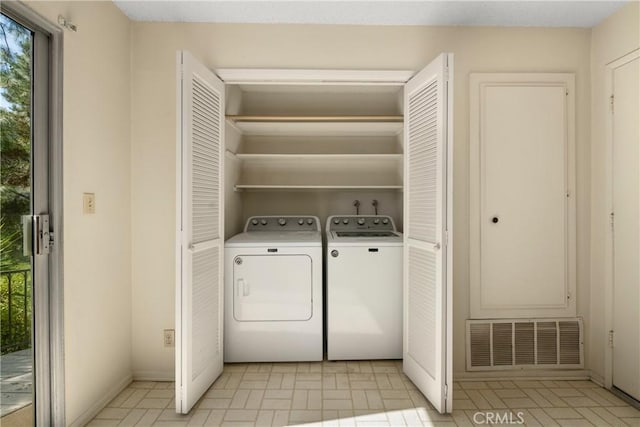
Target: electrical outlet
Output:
[(89, 203), (169, 337)]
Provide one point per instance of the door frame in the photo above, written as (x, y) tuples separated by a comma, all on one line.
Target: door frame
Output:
[(608, 243), (48, 325), (319, 77)]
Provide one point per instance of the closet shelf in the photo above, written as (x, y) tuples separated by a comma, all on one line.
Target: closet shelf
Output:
[(331, 119), (311, 157), (318, 128), (252, 187)]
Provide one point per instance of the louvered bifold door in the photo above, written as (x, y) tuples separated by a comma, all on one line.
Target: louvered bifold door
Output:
[(427, 272), (199, 301)]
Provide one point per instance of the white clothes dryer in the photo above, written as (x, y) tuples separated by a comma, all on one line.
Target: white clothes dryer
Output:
[(273, 291), (364, 288)]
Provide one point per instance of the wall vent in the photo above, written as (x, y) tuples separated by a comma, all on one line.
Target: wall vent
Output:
[(501, 344)]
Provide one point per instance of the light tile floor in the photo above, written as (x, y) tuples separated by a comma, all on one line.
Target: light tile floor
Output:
[(372, 393)]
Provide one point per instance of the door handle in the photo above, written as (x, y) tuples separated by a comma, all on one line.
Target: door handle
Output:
[(243, 288), (36, 236)]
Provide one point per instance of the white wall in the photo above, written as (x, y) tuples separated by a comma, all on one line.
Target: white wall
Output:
[(613, 38), (97, 248), (313, 46)]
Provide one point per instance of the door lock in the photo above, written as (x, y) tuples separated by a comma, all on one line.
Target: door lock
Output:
[(37, 239)]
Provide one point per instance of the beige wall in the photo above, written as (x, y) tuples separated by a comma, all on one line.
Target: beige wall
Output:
[(154, 47), (97, 248), (613, 38), (119, 142)]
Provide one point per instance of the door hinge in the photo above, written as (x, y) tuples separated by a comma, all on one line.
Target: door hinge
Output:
[(446, 238), (446, 391), (611, 220), (446, 74), (611, 100), (611, 338)]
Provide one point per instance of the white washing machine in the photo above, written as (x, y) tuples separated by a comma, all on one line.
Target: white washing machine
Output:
[(364, 288), (273, 291)]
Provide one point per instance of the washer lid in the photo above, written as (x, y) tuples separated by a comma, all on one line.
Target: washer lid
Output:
[(271, 239)]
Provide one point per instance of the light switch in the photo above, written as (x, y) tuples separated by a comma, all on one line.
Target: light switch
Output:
[(89, 203)]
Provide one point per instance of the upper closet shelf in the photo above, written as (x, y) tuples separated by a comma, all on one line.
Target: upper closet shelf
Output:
[(318, 127)]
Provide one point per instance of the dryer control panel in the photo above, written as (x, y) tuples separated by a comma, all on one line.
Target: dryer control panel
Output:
[(283, 223), (360, 223)]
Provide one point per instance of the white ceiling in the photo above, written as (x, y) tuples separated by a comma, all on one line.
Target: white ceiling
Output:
[(377, 12)]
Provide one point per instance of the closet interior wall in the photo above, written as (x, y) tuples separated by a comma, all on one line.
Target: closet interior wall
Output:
[(306, 149)]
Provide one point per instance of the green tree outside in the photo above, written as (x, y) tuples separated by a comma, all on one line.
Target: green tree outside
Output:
[(15, 182)]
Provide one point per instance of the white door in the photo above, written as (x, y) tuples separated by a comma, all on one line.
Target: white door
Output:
[(626, 230), (200, 244), (522, 258), (428, 131), (272, 288)]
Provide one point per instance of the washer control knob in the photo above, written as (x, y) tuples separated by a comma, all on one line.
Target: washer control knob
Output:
[(263, 222), (335, 253), (336, 221), (301, 221), (345, 221), (385, 221), (282, 222), (310, 221), (254, 221), (360, 221), (376, 221)]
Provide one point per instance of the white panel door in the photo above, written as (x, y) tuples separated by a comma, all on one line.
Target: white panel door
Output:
[(200, 242), (428, 131), (522, 227), (626, 230), (272, 288)]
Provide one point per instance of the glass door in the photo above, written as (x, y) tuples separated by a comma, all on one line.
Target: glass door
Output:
[(24, 233), (15, 198)]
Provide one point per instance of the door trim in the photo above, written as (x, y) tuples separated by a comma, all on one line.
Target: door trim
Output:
[(608, 244), (51, 410)]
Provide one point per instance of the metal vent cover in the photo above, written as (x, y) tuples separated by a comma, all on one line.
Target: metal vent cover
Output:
[(502, 344)]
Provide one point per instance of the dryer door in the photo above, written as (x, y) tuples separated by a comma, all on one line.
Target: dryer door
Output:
[(272, 288)]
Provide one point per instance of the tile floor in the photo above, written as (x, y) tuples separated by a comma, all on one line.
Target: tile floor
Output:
[(372, 393)]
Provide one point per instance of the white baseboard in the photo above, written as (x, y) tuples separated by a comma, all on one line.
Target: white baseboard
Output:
[(154, 375), (98, 406), (597, 378), (531, 374)]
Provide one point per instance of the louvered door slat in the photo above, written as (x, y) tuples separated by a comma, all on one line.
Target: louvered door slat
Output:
[(199, 285), (427, 289)]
